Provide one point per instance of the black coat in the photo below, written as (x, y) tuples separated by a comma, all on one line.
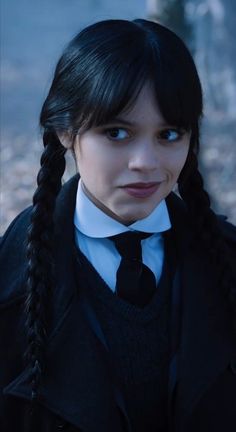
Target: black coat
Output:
[(79, 392)]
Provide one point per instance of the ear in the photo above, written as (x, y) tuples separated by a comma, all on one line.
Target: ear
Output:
[(65, 139)]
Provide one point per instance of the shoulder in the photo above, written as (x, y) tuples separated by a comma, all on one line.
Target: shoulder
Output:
[(21, 221), (229, 233), (228, 230), (13, 257), (180, 218), (13, 245)]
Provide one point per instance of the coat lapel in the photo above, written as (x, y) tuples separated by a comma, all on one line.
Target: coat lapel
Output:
[(78, 378), (207, 341)]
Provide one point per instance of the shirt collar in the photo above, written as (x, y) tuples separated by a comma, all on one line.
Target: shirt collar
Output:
[(86, 213)]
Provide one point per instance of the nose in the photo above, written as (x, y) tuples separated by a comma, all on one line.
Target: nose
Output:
[(144, 157)]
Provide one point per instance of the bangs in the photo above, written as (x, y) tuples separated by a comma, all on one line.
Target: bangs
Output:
[(116, 67), (106, 65), (123, 83), (143, 55), (176, 82)]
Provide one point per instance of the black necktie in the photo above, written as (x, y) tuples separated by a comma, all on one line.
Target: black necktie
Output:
[(135, 282)]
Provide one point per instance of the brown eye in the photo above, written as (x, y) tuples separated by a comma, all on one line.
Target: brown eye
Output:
[(117, 134), (170, 134)]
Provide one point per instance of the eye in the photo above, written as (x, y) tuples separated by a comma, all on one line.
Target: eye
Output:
[(171, 135), (117, 134)]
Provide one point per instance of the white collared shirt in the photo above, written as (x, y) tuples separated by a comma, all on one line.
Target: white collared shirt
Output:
[(93, 227)]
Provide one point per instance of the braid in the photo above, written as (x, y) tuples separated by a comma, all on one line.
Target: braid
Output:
[(207, 228), (39, 254)]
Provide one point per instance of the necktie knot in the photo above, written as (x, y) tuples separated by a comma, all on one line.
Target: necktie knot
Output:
[(135, 281), (128, 244)]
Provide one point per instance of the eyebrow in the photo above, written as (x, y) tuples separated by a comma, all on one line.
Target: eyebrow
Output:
[(120, 120)]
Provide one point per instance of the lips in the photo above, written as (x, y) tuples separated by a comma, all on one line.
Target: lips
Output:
[(141, 190)]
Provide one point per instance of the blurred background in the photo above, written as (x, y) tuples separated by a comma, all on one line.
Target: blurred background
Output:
[(33, 34)]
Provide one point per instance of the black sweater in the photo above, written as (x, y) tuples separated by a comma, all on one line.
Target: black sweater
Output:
[(138, 341)]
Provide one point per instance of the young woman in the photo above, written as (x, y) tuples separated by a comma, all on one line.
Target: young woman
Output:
[(117, 295)]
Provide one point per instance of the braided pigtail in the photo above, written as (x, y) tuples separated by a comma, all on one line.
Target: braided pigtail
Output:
[(207, 228), (39, 254)]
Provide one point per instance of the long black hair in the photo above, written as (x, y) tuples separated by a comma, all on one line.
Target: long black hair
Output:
[(100, 73)]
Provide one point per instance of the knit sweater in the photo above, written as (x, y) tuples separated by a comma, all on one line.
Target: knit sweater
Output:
[(138, 341)]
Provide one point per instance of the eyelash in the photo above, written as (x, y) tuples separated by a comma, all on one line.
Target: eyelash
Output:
[(109, 130), (177, 131)]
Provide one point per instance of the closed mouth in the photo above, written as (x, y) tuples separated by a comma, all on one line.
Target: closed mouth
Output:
[(141, 190), (141, 185)]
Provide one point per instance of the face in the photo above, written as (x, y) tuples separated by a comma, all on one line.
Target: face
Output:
[(129, 165)]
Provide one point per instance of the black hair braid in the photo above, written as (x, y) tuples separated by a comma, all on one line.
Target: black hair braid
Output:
[(207, 228), (39, 254)]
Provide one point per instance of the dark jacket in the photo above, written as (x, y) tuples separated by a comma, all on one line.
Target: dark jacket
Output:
[(79, 392)]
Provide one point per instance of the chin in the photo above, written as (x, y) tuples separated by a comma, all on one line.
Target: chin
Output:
[(130, 217)]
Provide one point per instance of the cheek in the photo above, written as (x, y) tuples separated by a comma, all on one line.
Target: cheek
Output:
[(97, 171), (175, 162), (86, 160)]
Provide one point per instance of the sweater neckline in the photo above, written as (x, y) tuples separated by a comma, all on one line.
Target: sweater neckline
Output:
[(94, 287)]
